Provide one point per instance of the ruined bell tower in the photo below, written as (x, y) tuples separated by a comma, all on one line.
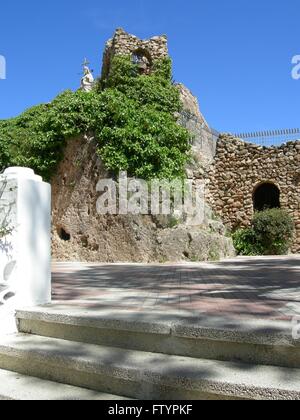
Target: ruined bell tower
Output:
[(143, 52)]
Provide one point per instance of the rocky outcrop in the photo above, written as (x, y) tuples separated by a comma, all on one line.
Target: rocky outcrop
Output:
[(190, 105), (204, 139), (240, 168), (81, 234)]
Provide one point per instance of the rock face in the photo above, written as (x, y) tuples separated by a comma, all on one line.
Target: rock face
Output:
[(238, 170), (190, 105), (204, 139), (81, 234)]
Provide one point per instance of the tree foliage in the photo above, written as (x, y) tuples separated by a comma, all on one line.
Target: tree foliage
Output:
[(132, 115)]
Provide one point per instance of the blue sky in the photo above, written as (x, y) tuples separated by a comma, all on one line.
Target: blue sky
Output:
[(234, 55)]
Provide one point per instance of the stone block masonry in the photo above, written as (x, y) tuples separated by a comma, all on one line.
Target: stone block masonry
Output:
[(240, 168)]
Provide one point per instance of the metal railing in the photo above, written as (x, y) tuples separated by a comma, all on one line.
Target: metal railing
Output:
[(271, 138), (262, 138)]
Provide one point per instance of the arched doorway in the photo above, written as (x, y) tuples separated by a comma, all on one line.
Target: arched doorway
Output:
[(266, 196)]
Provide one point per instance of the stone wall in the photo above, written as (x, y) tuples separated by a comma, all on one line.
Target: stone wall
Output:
[(239, 168), (123, 43)]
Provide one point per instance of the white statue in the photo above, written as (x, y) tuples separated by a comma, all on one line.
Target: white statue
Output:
[(87, 81)]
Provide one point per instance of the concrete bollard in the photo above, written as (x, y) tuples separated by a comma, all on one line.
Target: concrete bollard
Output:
[(25, 239)]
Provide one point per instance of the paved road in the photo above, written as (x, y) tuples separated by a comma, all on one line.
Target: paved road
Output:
[(265, 288)]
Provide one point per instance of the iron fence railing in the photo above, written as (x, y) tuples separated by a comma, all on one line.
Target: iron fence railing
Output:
[(271, 138), (262, 138)]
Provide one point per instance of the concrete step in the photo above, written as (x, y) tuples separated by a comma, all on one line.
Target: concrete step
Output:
[(16, 387), (250, 342), (144, 375)]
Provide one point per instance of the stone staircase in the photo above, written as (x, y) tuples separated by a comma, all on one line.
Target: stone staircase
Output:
[(78, 354)]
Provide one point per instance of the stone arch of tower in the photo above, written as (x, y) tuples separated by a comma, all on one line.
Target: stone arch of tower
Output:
[(143, 59), (123, 43)]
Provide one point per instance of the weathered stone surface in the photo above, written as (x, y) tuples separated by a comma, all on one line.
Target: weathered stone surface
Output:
[(204, 140), (190, 104), (193, 244), (108, 238)]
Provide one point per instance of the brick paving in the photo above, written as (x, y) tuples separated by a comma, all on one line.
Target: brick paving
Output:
[(260, 287)]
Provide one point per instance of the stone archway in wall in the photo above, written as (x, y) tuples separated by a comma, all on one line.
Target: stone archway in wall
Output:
[(266, 195), (142, 58)]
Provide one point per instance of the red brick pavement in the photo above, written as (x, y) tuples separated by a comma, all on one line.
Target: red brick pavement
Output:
[(266, 288)]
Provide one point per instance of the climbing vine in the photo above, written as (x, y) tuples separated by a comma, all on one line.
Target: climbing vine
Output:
[(132, 115)]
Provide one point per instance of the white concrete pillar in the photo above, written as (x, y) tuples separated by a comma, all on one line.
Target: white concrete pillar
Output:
[(25, 253)]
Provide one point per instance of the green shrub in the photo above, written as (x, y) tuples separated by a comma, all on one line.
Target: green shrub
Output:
[(270, 233), (274, 231)]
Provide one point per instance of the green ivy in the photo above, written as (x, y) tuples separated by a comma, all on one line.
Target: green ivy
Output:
[(154, 90), (132, 115)]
